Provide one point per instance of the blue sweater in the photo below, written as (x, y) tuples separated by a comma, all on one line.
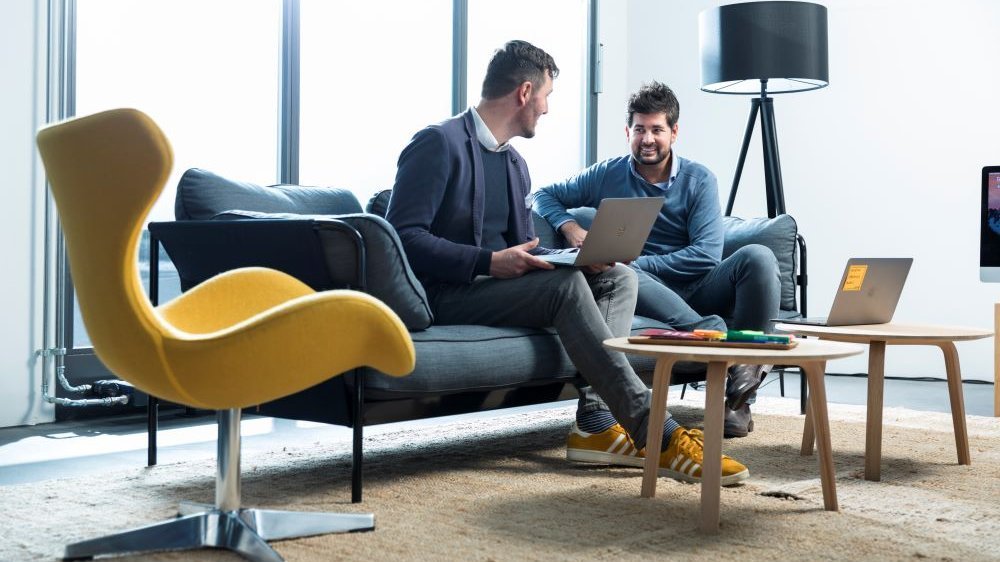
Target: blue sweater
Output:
[(686, 240)]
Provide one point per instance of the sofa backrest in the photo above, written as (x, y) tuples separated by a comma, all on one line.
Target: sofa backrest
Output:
[(202, 195)]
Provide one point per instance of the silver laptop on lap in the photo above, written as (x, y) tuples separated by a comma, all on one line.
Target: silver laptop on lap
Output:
[(868, 293), (617, 234)]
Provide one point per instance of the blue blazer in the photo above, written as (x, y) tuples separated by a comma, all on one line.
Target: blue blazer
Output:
[(437, 202)]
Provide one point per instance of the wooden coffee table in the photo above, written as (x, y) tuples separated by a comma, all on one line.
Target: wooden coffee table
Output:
[(877, 337), (811, 355)]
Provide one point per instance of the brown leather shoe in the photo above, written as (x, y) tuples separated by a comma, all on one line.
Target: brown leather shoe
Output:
[(742, 383), (738, 422)]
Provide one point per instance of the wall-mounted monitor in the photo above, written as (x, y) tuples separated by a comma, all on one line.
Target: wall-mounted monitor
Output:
[(989, 221)]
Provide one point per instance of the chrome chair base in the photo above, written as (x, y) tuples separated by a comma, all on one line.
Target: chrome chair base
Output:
[(244, 532)]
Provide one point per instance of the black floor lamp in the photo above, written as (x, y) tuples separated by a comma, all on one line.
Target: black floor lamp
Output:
[(761, 48)]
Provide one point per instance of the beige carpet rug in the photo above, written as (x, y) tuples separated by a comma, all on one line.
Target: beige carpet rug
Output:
[(501, 490)]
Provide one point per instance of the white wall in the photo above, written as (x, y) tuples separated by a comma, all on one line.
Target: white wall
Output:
[(21, 227), (884, 162)]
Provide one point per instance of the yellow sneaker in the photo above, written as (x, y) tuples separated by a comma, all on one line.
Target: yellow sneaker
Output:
[(684, 456), (612, 446)]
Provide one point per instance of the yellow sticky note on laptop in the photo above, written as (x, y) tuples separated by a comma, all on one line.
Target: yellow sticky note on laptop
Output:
[(855, 277)]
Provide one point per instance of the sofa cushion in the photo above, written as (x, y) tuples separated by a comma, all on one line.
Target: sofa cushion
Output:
[(454, 359), (776, 233), (387, 273), (202, 195)]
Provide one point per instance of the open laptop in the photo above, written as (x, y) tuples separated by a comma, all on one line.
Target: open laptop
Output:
[(617, 234), (868, 293)]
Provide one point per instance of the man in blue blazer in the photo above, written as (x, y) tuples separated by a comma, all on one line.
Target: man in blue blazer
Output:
[(459, 206)]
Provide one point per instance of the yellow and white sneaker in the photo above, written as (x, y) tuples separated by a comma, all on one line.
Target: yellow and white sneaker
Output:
[(611, 446), (681, 460), (685, 454)]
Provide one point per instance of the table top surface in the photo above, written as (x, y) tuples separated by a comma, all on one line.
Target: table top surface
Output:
[(887, 332), (805, 351)]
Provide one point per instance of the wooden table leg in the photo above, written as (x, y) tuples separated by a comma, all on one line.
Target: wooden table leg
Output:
[(817, 407), (711, 467), (654, 433), (996, 360), (808, 432), (957, 401), (873, 423)]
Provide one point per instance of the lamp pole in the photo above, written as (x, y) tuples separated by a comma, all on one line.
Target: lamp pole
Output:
[(764, 106)]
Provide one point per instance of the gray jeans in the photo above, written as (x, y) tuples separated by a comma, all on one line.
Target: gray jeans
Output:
[(745, 287), (585, 310)]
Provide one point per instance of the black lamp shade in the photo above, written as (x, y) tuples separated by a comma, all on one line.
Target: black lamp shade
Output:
[(784, 43)]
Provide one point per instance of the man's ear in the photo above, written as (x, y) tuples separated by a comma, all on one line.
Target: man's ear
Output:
[(524, 93)]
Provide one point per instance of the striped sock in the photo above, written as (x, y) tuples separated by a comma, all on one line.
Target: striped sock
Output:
[(669, 427), (595, 421), (599, 421)]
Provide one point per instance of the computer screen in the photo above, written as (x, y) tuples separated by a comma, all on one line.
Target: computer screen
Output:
[(989, 237)]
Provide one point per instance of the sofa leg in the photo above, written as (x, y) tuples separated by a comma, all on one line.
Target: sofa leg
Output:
[(359, 425), (152, 411)]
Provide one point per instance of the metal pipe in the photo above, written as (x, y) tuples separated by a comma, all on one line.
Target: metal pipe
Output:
[(227, 478)]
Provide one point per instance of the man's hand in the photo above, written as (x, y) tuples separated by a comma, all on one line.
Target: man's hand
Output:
[(573, 233), (516, 261)]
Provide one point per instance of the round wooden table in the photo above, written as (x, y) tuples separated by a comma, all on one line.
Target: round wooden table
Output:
[(877, 337), (811, 355)]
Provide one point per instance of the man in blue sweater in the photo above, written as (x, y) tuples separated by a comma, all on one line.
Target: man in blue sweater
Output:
[(683, 280), (459, 207)]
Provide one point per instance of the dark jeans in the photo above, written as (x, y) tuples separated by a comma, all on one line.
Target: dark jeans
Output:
[(584, 310), (745, 287)]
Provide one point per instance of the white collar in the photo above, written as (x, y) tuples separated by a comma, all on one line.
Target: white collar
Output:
[(485, 135)]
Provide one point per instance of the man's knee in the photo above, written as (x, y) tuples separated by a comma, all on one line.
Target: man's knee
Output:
[(757, 259), (624, 278)]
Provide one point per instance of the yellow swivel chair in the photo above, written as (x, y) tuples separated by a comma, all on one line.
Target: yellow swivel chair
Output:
[(242, 338)]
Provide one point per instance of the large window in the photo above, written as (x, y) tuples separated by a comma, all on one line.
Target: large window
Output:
[(560, 28), (206, 72), (372, 75)]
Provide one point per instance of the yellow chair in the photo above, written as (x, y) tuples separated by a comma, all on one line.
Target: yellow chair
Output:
[(242, 338)]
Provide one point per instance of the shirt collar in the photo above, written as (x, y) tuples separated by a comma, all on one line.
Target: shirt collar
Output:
[(675, 166), (484, 134)]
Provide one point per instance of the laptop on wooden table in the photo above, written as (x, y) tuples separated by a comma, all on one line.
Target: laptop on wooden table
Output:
[(868, 293)]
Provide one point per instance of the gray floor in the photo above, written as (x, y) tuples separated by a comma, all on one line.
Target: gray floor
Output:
[(95, 446)]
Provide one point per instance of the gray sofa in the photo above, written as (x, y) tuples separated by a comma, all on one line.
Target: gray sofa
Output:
[(322, 236)]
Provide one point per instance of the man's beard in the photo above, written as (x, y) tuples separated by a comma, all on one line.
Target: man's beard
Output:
[(656, 158)]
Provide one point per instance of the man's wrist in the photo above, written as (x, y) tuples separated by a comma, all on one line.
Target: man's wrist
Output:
[(568, 226)]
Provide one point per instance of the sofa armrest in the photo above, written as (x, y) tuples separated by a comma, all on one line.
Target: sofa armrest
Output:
[(358, 250)]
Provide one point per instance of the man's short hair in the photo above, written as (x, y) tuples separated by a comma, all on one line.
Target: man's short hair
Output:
[(515, 63), (654, 97)]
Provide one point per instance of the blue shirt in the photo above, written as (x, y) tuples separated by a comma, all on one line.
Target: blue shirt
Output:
[(686, 240)]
